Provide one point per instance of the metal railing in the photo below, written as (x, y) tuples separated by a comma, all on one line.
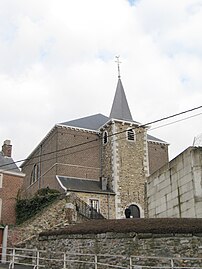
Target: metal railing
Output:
[(85, 210), (36, 259), (22, 257)]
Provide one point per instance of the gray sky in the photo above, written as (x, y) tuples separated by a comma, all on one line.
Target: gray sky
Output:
[(57, 63)]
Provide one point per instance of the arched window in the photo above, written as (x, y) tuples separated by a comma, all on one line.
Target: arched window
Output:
[(34, 174), (135, 211), (105, 137), (131, 135)]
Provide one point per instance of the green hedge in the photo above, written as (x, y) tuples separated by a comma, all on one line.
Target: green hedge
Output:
[(27, 208)]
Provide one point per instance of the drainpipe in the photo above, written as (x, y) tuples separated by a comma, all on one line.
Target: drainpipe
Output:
[(4, 244), (101, 157)]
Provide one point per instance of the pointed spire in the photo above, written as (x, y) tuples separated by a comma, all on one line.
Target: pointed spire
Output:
[(120, 109)]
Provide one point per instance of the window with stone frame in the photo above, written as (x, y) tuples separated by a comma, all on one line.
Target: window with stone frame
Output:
[(94, 203), (131, 135)]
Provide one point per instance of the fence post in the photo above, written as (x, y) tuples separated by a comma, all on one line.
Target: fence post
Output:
[(131, 265), (11, 265), (65, 261), (172, 263), (37, 260), (95, 261)]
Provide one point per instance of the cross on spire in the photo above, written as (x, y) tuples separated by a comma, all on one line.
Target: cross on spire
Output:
[(118, 63)]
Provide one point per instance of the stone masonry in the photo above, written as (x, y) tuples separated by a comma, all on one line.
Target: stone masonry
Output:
[(124, 164), (175, 190), (106, 202), (53, 216), (155, 246)]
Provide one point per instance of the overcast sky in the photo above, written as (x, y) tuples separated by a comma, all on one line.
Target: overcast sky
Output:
[(57, 63)]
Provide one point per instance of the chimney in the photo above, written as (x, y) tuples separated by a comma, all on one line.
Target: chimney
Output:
[(104, 183), (7, 148)]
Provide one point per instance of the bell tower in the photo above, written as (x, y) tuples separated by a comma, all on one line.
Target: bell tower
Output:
[(124, 155)]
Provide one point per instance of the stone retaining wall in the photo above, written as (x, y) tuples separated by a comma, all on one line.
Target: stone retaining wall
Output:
[(53, 216), (132, 243)]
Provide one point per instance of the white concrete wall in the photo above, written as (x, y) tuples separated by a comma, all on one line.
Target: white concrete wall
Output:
[(175, 190)]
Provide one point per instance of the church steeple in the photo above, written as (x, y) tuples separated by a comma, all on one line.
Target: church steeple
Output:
[(120, 109)]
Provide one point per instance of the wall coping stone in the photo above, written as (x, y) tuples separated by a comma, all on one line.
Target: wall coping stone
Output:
[(164, 226)]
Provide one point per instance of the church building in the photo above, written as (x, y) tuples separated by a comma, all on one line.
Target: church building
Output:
[(103, 160)]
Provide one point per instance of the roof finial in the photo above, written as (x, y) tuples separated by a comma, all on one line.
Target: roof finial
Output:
[(118, 63)]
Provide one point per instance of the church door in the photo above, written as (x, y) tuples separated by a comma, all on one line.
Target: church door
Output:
[(135, 211)]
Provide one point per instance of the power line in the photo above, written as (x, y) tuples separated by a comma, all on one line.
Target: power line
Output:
[(172, 116), (94, 140), (78, 151), (173, 122), (66, 154)]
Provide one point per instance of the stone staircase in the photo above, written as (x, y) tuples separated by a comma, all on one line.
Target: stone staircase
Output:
[(85, 210), (52, 217)]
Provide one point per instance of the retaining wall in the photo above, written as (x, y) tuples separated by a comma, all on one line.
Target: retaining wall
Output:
[(144, 238)]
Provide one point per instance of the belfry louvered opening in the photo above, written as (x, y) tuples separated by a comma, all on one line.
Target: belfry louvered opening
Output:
[(131, 135)]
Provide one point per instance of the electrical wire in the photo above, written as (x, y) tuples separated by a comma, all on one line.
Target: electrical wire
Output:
[(173, 122), (99, 138)]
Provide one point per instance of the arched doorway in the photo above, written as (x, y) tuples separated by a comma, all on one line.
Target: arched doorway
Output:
[(135, 211)]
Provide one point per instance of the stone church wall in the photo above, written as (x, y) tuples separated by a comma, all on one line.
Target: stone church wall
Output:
[(124, 163), (106, 202), (175, 190)]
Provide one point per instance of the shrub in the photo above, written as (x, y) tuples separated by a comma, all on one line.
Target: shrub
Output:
[(27, 208)]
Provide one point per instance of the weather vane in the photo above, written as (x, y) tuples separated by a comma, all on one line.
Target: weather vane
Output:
[(118, 63)]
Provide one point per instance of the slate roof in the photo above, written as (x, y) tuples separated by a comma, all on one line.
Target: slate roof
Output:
[(155, 139), (93, 122), (120, 109), (7, 164), (81, 185)]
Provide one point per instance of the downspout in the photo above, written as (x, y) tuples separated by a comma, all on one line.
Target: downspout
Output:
[(101, 157), (4, 244)]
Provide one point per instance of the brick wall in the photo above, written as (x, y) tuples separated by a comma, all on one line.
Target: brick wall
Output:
[(73, 153), (11, 183), (158, 156)]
